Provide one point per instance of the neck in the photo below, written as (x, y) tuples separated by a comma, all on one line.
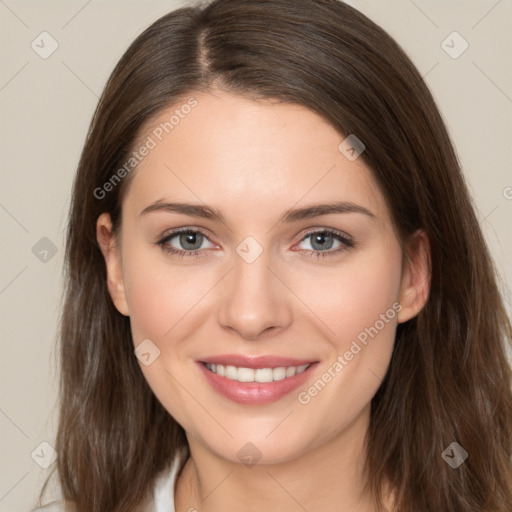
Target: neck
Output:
[(328, 477)]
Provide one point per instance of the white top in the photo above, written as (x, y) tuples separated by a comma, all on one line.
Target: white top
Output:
[(163, 495)]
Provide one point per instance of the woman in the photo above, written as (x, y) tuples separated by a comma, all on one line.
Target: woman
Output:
[(334, 335)]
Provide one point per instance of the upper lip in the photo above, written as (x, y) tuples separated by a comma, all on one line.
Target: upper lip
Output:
[(268, 361)]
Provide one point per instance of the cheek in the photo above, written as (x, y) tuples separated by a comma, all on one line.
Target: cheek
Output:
[(359, 294), (161, 293), (360, 309), (162, 303), (164, 308)]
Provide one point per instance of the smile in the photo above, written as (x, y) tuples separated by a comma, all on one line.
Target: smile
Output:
[(261, 375), (255, 380)]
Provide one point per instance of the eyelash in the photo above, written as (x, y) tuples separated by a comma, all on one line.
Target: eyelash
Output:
[(346, 243)]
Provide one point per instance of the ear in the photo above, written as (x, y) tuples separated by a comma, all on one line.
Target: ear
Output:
[(109, 247), (415, 284)]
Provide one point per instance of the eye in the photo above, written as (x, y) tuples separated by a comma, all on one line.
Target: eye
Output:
[(322, 241), (190, 240)]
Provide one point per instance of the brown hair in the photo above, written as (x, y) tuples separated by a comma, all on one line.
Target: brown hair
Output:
[(449, 378)]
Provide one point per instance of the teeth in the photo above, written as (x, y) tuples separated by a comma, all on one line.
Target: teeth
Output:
[(264, 375), (291, 371), (258, 375), (279, 373), (300, 369)]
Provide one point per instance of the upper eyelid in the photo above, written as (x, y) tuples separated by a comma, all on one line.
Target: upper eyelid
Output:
[(179, 231), (326, 230)]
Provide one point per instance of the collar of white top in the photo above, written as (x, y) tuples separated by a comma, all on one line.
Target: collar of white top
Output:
[(164, 489)]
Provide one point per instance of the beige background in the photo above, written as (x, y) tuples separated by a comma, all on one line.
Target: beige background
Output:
[(46, 106)]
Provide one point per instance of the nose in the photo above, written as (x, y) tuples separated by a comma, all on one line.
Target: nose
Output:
[(255, 301)]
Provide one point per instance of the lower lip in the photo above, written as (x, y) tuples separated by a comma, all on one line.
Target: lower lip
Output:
[(255, 393)]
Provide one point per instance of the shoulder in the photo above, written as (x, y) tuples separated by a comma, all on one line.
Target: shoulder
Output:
[(163, 496)]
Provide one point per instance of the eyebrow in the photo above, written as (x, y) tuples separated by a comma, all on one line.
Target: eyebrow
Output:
[(292, 215)]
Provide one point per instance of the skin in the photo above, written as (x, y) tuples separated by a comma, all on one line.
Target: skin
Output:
[(253, 161)]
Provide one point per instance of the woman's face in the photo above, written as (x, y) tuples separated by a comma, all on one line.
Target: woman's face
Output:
[(272, 277)]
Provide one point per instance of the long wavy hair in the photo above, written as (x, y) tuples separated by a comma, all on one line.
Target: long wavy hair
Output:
[(449, 378)]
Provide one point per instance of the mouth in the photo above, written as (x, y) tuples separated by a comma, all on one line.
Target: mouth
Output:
[(255, 381)]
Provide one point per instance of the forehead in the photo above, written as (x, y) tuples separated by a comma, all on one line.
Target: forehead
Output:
[(230, 151)]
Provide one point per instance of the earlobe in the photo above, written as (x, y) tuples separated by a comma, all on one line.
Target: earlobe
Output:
[(108, 244), (415, 284)]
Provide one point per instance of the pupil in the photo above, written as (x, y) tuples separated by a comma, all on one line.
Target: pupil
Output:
[(321, 240), (188, 238)]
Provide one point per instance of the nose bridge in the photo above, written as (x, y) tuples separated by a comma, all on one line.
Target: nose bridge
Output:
[(254, 299)]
